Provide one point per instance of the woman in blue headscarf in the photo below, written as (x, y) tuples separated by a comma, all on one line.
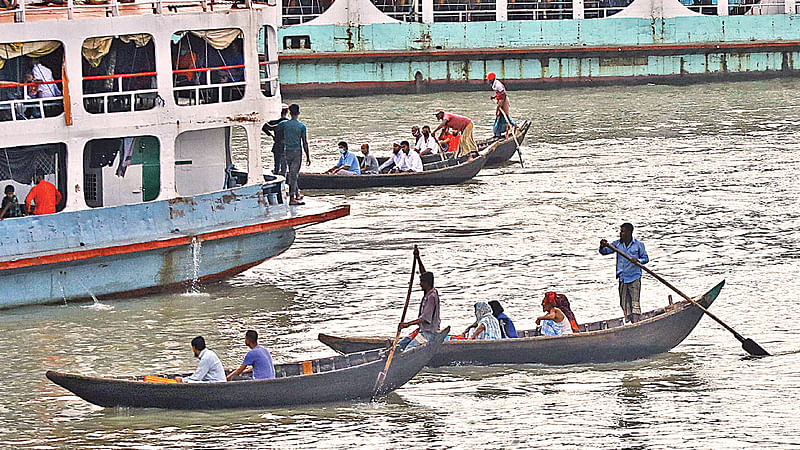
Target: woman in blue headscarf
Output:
[(486, 327)]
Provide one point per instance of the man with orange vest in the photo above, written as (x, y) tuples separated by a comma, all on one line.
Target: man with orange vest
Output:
[(44, 195)]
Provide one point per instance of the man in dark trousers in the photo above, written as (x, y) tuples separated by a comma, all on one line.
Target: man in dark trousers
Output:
[(428, 320), (271, 129), (295, 142), (629, 275)]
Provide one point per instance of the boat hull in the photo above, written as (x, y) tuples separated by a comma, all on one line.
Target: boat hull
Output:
[(448, 175), (662, 330), (348, 383), (134, 249), (506, 149)]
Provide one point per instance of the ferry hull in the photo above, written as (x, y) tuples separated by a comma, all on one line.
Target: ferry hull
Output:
[(171, 258), (412, 57)]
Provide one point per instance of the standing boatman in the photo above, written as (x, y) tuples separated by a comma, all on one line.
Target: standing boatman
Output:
[(428, 320), (503, 112), (271, 129), (629, 275)]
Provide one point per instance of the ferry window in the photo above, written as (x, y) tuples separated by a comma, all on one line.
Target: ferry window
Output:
[(290, 42), (208, 66), (20, 168), (119, 171), (268, 60), (30, 80), (119, 73), (211, 159)]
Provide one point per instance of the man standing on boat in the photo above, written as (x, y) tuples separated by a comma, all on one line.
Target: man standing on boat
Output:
[(629, 275), (463, 125), (428, 320), (295, 143), (503, 112), (271, 129), (209, 369)]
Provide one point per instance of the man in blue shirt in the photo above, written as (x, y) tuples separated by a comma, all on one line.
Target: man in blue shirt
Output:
[(629, 275), (294, 143), (348, 162), (258, 357)]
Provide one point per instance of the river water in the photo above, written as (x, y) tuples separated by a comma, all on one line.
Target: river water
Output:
[(707, 173)]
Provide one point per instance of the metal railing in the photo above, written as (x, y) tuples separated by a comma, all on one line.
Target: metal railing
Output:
[(120, 99), (205, 92), (268, 76), (30, 109)]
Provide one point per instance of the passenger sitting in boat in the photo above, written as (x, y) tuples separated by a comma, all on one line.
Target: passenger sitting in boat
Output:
[(563, 304), (506, 325), (554, 322), (411, 161), (415, 133), (486, 325), (258, 357), (369, 164), (426, 144), (348, 162), (394, 161), (448, 140), (209, 369), (10, 207)]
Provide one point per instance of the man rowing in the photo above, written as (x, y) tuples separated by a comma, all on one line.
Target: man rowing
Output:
[(463, 125), (503, 112), (428, 319), (629, 275)]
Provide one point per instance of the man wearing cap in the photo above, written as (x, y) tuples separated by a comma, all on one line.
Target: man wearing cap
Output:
[(396, 159), (503, 111), (463, 125), (295, 143), (271, 129), (629, 275)]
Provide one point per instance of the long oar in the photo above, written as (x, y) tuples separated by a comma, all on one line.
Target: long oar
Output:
[(519, 149), (749, 345), (382, 375)]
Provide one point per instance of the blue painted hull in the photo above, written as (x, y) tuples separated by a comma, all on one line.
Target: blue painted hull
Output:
[(413, 57), (145, 247)]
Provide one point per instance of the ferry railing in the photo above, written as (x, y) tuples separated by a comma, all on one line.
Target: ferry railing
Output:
[(207, 92), (540, 10), (464, 11), (120, 99), (29, 108), (268, 71)]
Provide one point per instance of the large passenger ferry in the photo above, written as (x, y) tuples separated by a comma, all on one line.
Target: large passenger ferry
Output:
[(350, 46), (146, 117)]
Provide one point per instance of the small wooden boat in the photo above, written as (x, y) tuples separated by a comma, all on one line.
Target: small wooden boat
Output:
[(337, 378), (501, 150), (438, 170), (603, 341)]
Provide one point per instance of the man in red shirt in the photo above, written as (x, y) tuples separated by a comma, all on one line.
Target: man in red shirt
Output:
[(44, 195), (463, 125)]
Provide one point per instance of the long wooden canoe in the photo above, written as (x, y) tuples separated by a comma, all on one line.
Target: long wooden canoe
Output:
[(603, 341), (337, 378), (453, 172), (500, 151)]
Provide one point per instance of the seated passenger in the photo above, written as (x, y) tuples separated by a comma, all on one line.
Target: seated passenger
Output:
[(209, 369), (563, 304), (554, 322), (506, 325), (348, 162), (393, 161), (258, 357), (43, 74), (369, 164), (426, 143), (486, 326), (10, 207), (411, 160)]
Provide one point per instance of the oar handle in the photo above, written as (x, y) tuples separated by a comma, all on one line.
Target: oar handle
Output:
[(666, 283), (508, 124)]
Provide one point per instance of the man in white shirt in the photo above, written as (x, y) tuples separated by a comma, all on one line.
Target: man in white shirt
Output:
[(411, 161), (395, 159), (209, 369), (42, 73), (426, 144)]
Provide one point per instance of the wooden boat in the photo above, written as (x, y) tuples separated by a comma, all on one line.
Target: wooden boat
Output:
[(447, 170), (500, 151), (337, 378), (603, 341)]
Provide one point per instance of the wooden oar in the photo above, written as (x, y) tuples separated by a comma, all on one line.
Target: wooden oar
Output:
[(382, 376), (519, 149), (749, 345)]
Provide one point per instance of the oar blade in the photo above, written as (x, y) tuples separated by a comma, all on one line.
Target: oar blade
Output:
[(751, 347)]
